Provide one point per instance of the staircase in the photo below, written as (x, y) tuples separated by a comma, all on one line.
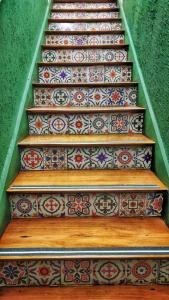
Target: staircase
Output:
[(86, 206)]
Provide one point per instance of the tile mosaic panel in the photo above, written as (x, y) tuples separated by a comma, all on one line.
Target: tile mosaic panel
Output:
[(80, 272), (101, 96), (85, 55), (78, 158), (85, 74), (85, 204), (92, 26), (84, 5), (97, 123), (84, 15), (79, 40)]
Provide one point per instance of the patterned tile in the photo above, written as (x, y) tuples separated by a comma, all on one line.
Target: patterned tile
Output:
[(80, 40), (118, 97), (79, 124), (49, 56), (98, 97), (45, 272), (24, 205), (132, 204), (131, 94), (96, 74), (13, 273), (47, 75), (63, 56), (79, 74), (79, 97), (95, 55), (119, 123), (142, 272), (62, 75), (78, 158), (84, 15), (117, 73), (154, 204), (114, 55), (144, 157), (109, 272), (92, 26), (105, 204), (42, 97), (38, 124), (51, 205), (32, 159), (55, 158), (99, 123), (78, 205), (101, 158), (125, 158), (136, 123), (58, 124), (60, 97), (76, 272), (79, 56), (163, 277), (83, 5)]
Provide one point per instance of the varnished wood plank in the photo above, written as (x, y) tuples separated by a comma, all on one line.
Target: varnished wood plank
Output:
[(116, 46), (154, 292), (85, 109), (85, 233), (125, 63), (108, 139), (90, 180), (117, 84), (83, 32), (83, 1), (112, 20), (108, 9)]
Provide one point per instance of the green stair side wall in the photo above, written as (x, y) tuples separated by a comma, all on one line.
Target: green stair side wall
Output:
[(21, 25), (147, 24)]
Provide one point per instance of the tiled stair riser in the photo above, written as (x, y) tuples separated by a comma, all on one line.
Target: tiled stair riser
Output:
[(100, 96), (85, 55), (83, 5), (82, 26), (94, 123), (75, 157), (84, 272), (84, 15), (85, 74), (88, 204), (81, 40)]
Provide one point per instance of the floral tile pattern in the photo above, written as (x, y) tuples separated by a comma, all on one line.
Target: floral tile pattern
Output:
[(84, 5), (58, 124), (38, 124), (164, 272), (43, 273), (79, 124), (55, 158), (76, 272), (101, 158), (84, 15), (100, 96), (85, 55), (142, 272), (85, 74), (79, 40), (32, 159), (109, 272), (129, 204), (78, 158), (106, 26), (99, 123), (13, 273)]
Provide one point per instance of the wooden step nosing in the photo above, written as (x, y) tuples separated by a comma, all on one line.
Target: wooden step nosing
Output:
[(84, 10), (83, 32), (88, 85), (111, 20), (87, 64), (82, 47)]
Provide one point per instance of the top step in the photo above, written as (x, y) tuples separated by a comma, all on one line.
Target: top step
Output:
[(84, 5)]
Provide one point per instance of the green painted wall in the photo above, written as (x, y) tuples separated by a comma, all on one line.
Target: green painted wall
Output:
[(147, 24), (21, 25)]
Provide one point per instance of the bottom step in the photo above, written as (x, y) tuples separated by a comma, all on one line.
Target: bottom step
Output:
[(87, 293)]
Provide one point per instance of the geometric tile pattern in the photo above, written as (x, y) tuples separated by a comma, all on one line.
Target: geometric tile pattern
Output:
[(80, 272), (83, 5), (80, 40), (97, 123), (84, 15), (85, 74), (77, 204), (98, 157), (85, 55), (100, 96), (82, 26)]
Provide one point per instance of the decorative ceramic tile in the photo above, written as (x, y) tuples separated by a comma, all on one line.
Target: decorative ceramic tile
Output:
[(79, 124), (76, 272), (79, 97), (131, 95), (52, 39), (62, 75), (144, 157), (44, 273), (132, 204), (32, 159), (105, 39), (47, 74), (60, 97), (38, 124), (122, 96), (154, 204), (84, 15), (49, 56), (24, 205), (51, 205), (102, 158), (119, 123), (13, 273), (105, 204), (78, 205), (99, 123), (136, 123), (95, 55), (92, 26), (84, 5), (78, 158), (117, 73), (58, 124), (96, 74), (67, 26), (142, 272), (125, 158), (42, 97), (55, 158), (114, 55), (80, 56), (109, 272), (79, 74), (98, 97), (163, 277)]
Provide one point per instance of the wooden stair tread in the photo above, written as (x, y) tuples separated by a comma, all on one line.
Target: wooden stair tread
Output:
[(83, 235), (95, 139), (107, 84), (57, 64), (84, 32), (153, 292), (86, 180), (108, 9), (108, 109), (112, 20), (100, 46)]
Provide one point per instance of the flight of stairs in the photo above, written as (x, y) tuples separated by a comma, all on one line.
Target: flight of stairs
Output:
[(86, 179)]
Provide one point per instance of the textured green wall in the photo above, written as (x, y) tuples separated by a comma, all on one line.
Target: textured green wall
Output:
[(21, 24), (148, 24)]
